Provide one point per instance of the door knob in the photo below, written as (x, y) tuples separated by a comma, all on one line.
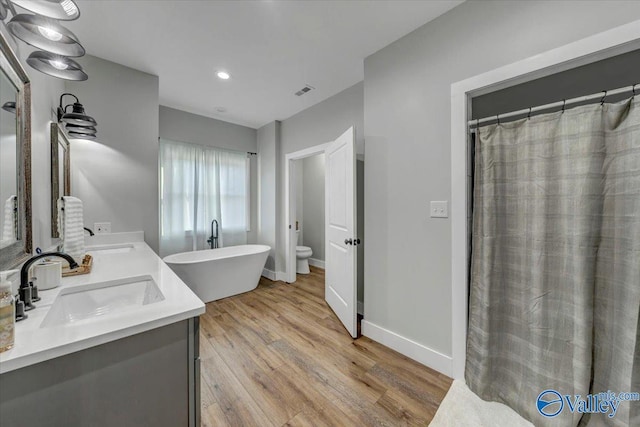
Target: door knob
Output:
[(348, 241), (356, 242)]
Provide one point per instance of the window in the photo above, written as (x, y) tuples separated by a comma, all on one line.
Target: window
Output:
[(197, 185)]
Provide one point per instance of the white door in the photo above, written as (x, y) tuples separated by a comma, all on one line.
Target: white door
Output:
[(340, 196)]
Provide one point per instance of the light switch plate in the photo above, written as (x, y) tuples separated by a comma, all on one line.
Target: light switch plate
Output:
[(102, 227), (439, 209)]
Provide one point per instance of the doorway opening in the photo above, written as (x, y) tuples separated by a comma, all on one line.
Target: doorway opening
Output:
[(322, 230), (309, 177), (294, 178)]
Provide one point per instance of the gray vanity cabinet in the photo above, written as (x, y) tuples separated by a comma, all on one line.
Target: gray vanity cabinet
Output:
[(148, 379)]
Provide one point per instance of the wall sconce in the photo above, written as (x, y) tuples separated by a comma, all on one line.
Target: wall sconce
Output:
[(9, 106), (77, 123)]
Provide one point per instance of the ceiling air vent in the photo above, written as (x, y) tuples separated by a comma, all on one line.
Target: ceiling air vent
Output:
[(304, 90)]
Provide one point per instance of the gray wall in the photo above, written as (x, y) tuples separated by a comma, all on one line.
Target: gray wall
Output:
[(177, 125), (611, 73), (361, 236), (313, 204), (407, 130), (326, 121), (316, 125), (116, 176), (268, 141), (298, 177)]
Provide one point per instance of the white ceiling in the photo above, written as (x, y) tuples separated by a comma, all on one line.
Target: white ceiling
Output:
[(271, 48)]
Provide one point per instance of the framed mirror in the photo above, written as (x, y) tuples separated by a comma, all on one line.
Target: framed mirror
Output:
[(60, 172), (15, 160)]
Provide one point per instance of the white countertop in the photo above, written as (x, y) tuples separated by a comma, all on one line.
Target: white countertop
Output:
[(34, 344)]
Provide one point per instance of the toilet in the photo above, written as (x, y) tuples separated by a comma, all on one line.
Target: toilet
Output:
[(303, 253)]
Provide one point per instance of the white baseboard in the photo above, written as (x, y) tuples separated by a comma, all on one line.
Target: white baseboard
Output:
[(316, 263), (274, 275), (360, 308), (269, 274), (411, 349)]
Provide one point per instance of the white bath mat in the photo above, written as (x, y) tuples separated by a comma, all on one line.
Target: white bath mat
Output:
[(461, 407)]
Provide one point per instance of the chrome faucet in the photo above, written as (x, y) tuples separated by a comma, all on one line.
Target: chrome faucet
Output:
[(28, 292), (213, 239)]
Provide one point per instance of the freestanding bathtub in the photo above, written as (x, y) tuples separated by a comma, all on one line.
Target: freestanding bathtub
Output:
[(213, 274)]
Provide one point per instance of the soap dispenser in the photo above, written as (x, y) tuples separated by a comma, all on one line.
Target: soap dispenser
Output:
[(7, 312)]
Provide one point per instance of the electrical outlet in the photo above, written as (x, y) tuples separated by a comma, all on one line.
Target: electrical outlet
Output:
[(102, 227), (439, 209)]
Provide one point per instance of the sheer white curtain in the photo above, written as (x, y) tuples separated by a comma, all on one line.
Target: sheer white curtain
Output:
[(199, 184), (223, 196)]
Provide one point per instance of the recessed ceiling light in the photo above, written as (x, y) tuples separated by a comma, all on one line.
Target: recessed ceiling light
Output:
[(223, 75)]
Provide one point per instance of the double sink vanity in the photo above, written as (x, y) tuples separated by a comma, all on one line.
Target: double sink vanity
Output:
[(118, 346), (115, 347)]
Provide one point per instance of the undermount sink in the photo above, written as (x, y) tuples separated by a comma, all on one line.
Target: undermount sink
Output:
[(111, 249), (101, 299)]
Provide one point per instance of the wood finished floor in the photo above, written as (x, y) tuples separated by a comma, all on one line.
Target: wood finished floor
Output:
[(279, 356)]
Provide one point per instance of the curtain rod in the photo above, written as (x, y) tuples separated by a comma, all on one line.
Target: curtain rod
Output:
[(250, 153), (600, 95)]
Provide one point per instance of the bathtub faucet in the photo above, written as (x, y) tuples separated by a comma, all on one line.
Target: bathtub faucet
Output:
[(213, 239)]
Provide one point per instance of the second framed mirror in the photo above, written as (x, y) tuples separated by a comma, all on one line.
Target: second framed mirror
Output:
[(60, 172)]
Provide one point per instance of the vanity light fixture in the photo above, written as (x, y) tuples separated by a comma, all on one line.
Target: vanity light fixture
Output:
[(63, 10), (9, 106), (5, 7), (223, 75), (46, 34), (56, 65), (43, 31), (77, 123)]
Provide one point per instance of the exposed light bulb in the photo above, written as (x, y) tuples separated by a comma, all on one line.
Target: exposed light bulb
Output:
[(58, 64), (223, 75), (49, 33), (69, 7)]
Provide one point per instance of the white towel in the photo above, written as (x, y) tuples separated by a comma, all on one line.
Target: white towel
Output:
[(71, 227), (10, 216)]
